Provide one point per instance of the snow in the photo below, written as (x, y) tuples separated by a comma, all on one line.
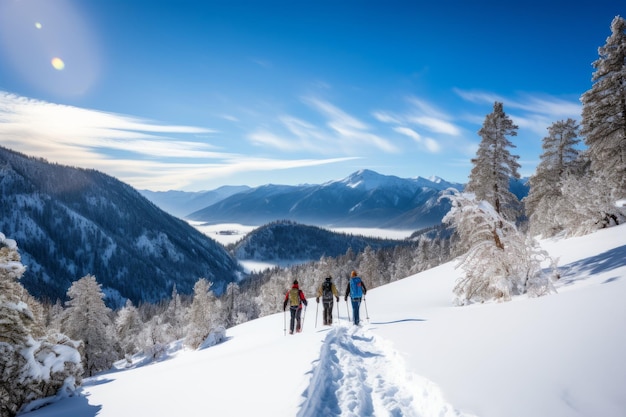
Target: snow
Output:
[(416, 354)]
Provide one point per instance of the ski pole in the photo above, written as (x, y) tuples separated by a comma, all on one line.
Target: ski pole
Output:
[(348, 310), (303, 316), (367, 315), (317, 309), (338, 320), (285, 322)]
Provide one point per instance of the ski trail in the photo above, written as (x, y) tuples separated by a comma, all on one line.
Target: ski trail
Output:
[(360, 375)]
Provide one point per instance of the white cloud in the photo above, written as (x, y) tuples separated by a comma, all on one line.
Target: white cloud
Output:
[(409, 132), (142, 153), (432, 145), (542, 104), (420, 114), (533, 111), (386, 117)]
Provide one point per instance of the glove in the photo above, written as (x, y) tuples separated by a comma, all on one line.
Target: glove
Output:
[(317, 299), (345, 298), (337, 299)]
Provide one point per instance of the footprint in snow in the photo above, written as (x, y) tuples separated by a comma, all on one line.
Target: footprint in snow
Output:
[(359, 374)]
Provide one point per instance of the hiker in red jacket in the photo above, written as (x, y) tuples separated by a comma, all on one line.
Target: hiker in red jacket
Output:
[(295, 297)]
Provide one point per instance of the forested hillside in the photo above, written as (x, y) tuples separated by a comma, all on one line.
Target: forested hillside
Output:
[(71, 222), (287, 240)]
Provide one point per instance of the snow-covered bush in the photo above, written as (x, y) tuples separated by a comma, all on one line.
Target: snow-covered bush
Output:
[(34, 368), (500, 261)]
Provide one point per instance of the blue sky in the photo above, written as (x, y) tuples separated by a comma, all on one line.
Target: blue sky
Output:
[(193, 95)]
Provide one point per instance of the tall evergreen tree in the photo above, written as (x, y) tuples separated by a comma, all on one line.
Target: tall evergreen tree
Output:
[(128, 326), (199, 322), (33, 365), (604, 113), (559, 158), (494, 164), (87, 318), (175, 315)]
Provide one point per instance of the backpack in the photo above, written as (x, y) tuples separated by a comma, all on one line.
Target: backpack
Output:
[(294, 297), (356, 291), (327, 291)]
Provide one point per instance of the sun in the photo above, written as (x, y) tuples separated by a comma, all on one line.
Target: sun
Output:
[(57, 63)]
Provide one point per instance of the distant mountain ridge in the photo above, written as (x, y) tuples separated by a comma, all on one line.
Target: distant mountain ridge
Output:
[(364, 199), (182, 203), (71, 222)]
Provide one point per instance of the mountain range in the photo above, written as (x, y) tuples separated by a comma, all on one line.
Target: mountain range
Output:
[(363, 199), (70, 222), (182, 203)]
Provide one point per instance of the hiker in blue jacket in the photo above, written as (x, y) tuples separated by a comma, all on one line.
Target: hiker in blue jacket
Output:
[(356, 290)]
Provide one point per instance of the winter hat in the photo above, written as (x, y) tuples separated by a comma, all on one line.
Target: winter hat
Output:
[(353, 274), (328, 278), (295, 282)]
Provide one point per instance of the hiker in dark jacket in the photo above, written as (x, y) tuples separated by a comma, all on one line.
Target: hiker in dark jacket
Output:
[(295, 298), (356, 291), (327, 290)]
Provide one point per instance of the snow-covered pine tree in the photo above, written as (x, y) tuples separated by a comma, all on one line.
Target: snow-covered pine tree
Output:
[(604, 115), (585, 206), (128, 325), (494, 164), (500, 262), (34, 367), (199, 321), (87, 318), (155, 337), (558, 159), (175, 315)]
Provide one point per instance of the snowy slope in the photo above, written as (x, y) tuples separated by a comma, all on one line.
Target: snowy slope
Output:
[(556, 356)]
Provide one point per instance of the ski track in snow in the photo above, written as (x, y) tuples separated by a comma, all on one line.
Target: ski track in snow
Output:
[(359, 374)]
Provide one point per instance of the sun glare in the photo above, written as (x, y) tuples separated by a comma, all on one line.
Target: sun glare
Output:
[(63, 61), (57, 64)]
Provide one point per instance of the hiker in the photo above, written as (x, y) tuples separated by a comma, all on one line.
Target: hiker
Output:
[(327, 290), (295, 297), (356, 290)]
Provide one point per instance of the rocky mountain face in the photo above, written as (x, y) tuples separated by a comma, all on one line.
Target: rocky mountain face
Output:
[(71, 222)]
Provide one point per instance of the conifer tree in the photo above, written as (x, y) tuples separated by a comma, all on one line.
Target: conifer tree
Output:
[(199, 322), (604, 113), (494, 268), (87, 318), (494, 164), (175, 315), (558, 160), (33, 365), (128, 326)]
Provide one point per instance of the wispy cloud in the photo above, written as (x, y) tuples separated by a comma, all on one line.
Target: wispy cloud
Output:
[(420, 121), (532, 112), (348, 128), (141, 152), (340, 133), (431, 144)]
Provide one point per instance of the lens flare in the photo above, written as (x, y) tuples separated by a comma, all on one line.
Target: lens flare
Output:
[(49, 45), (57, 63)]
